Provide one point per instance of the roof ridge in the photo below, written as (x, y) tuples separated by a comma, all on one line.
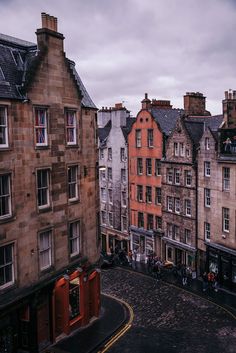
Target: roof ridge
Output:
[(6, 39)]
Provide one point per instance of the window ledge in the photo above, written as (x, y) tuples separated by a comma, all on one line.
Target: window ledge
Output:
[(7, 219), (45, 209)]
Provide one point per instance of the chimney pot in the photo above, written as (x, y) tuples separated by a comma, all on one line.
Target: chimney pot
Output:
[(234, 94), (146, 96), (226, 95)]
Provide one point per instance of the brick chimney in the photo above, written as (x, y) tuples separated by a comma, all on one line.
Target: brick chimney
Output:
[(195, 104), (47, 36), (229, 109), (146, 103)]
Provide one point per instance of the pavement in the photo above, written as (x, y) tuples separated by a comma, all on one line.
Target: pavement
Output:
[(114, 314), (91, 338)]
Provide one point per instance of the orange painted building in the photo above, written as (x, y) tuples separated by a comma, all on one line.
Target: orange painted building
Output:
[(146, 143)]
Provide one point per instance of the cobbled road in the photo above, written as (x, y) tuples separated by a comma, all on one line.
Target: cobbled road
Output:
[(168, 319)]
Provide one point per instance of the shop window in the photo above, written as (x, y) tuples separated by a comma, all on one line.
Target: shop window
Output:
[(74, 298), (213, 262), (234, 271), (169, 254)]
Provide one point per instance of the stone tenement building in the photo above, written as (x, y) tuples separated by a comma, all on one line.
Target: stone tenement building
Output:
[(146, 143), (216, 197), (49, 204), (114, 125), (179, 183)]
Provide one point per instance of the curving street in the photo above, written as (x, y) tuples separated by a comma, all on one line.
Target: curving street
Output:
[(168, 319)]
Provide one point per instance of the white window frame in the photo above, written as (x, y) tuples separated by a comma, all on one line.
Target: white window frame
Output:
[(207, 231), (122, 154), (157, 167), (188, 207), (123, 175), (177, 205), (187, 236), (4, 127), (181, 149), (139, 166), (207, 143), (124, 223), (158, 195), (177, 176), (225, 219), (109, 154), (148, 166), (43, 189), (41, 127), (188, 177), (5, 195), (103, 217), (176, 232), (109, 174), (150, 138), (170, 203), (169, 230), (123, 198), (148, 194), (73, 183), (71, 136), (103, 195), (45, 249), (110, 219), (226, 178), (6, 264), (207, 168), (170, 176), (102, 153), (110, 196), (74, 238), (138, 138), (207, 197), (176, 149), (140, 193), (103, 174)]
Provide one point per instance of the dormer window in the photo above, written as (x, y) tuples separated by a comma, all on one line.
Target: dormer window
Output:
[(17, 59), (2, 77)]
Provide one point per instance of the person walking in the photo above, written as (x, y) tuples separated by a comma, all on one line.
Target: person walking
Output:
[(184, 275), (130, 257), (216, 284), (211, 278)]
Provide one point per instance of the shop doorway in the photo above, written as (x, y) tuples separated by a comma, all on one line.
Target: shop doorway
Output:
[(43, 326)]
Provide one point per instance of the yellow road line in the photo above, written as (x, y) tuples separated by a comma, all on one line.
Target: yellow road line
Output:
[(124, 329), (195, 294)]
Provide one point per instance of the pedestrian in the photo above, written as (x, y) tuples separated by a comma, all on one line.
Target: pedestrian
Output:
[(130, 257), (189, 275), (184, 275), (149, 264), (204, 281), (135, 257), (211, 278), (216, 279)]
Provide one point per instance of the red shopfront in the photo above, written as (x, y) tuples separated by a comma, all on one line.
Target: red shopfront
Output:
[(76, 299)]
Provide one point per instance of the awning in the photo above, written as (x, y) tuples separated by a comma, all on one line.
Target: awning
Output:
[(141, 231), (221, 248), (179, 245)]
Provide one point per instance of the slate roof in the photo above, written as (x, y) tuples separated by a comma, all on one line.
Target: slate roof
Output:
[(126, 129), (103, 132), (17, 57), (196, 126), (166, 118)]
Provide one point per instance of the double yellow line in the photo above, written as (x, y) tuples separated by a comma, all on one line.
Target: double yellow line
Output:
[(124, 329)]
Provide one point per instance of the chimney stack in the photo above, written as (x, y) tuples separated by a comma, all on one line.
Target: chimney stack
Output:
[(146, 103), (47, 36), (195, 104), (229, 109)]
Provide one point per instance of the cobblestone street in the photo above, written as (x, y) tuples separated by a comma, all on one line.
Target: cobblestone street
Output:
[(168, 319)]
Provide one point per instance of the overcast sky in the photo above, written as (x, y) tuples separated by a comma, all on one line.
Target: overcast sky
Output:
[(124, 48)]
